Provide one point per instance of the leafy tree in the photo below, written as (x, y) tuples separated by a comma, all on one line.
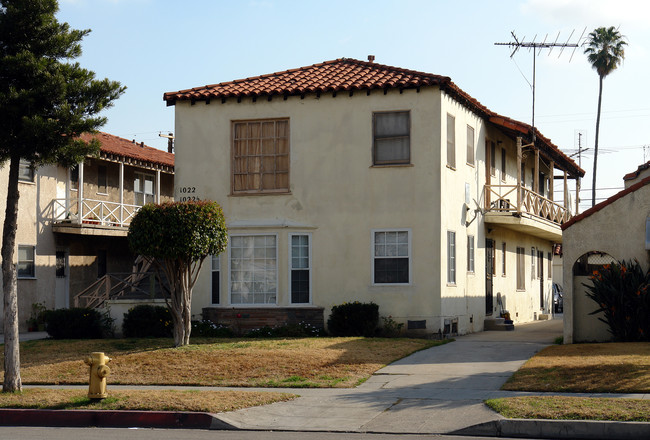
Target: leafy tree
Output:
[(45, 103), (177, 237), (605, 51)]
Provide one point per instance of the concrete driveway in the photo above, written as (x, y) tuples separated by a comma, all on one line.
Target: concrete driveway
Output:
[(438, 390)]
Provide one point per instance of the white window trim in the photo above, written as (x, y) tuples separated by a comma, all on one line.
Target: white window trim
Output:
[(144, 175), (277, 279), (372, 255), (533, 258), (289, 268), (33, 277), (32, 181)]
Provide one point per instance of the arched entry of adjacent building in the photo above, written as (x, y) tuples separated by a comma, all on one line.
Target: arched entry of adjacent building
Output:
[(586, 327)]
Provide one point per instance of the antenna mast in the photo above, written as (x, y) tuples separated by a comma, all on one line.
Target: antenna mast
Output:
[(537, 49)]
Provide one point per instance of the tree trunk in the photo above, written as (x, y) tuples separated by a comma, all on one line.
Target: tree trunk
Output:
[(12, 382), (600, 98)]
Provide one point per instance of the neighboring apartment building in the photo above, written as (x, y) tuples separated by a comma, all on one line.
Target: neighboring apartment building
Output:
[(616, 229), (350, 180), (72, 223)]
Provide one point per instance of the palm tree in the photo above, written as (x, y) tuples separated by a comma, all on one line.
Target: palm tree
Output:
[(605, 51)]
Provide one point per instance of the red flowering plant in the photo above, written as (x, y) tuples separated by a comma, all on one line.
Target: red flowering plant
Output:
[(621, 292)]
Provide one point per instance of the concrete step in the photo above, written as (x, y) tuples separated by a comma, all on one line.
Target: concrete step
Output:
[(499, 324)]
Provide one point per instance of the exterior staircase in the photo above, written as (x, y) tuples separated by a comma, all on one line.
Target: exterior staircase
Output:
[(140, 283), (500, 324)]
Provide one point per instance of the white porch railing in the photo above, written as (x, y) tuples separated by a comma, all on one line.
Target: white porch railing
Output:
[(94, 212), (518, 199)]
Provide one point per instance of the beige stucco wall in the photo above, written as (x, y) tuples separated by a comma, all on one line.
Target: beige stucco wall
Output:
[(618, 230), (339, 198)]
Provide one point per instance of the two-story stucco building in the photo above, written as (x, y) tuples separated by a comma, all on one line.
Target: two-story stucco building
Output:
[(72, 223), (350, 180)]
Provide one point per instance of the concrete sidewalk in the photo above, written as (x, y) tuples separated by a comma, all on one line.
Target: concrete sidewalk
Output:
[(436, 391)]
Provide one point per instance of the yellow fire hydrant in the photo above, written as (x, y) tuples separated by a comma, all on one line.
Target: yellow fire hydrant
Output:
[(98, 372)]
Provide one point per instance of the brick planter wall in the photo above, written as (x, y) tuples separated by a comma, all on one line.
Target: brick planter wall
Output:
[(243, 319)]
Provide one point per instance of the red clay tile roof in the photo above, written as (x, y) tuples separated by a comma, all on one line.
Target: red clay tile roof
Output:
[(123, 147), (606, 203), (350, 75)]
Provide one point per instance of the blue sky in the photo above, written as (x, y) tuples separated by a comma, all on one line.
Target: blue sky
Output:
[(157, 46)]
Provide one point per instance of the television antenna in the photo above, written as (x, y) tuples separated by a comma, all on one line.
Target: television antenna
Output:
[(536, 49)]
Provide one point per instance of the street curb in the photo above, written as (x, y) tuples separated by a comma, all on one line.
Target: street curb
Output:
[(559, 429), (112, 419)]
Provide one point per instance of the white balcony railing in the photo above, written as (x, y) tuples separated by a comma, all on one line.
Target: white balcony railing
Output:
[(93, 212), (521, 200)]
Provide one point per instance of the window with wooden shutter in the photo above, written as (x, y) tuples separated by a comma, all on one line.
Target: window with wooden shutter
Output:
[(260, 156), (451, 141), (391, 138)]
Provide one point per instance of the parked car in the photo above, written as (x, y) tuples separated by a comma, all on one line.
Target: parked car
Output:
[(558, 300)]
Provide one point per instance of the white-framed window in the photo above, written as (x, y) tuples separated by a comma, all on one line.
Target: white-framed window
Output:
[(521, 268), (215, 265), (253, 269), (300, 268), (493, 160), (391, 138), (25, 171), (470, 145), (550, 265), (503, 259), (470, 253), (391, 251), (74, 177), (451, 257), (451, 141), (503, 164), (26, 261), (144, 190)]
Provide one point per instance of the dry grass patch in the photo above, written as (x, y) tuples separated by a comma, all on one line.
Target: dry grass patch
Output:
[(304, 362), (589, 368), (168, 400), (572, 408)]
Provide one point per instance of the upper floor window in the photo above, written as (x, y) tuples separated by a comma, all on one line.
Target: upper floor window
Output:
[(451, 141), (260, 155), (470, 145), (391, 138), (493, 160), (143, 189), (25, 171), (503, 164), (102, 186)]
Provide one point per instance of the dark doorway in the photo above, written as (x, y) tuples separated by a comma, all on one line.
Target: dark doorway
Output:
[(489, 273)]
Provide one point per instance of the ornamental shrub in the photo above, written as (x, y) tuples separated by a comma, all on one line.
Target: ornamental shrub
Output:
[(299, 330), (354, 319), (208, 329), (621, 292), (77, 323), (147, 321)]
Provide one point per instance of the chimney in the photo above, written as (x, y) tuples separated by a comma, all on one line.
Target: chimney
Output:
[(371, 58), (133, 141), (142, 144)]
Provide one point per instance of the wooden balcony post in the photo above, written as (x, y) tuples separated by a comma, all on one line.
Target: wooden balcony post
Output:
[(519, 161), (551, 181), (566, 191), (80, 193), (121, 219)]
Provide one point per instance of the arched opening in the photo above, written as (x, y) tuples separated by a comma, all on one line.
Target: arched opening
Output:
[(586, 327)]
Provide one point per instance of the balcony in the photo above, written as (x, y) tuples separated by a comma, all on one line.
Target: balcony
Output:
[(520, 209), (92, 217)]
